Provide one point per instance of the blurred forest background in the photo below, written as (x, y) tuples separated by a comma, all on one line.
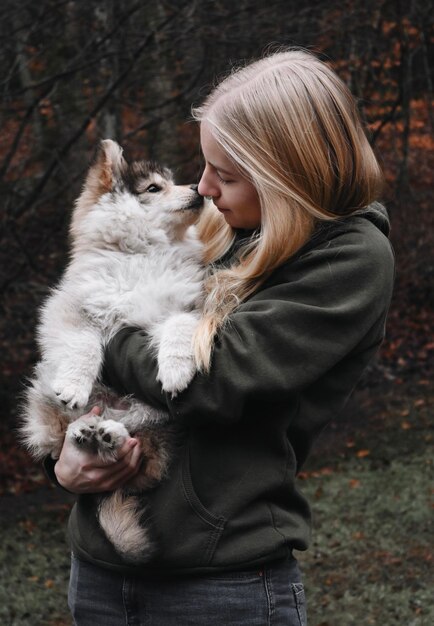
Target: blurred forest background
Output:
[(75, 72)]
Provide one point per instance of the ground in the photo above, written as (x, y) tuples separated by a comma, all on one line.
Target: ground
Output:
[(369, 480), (371, 556)]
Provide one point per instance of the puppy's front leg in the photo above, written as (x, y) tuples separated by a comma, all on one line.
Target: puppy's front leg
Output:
[(72, 350), (176, 366), (79, 368)]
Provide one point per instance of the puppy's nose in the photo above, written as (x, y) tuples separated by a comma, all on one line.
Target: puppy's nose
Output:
[(194, 187)]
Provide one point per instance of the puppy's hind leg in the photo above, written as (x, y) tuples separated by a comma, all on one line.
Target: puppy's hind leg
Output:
[(43, 423)]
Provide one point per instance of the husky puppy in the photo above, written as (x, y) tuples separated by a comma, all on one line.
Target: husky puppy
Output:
[(135, 261)]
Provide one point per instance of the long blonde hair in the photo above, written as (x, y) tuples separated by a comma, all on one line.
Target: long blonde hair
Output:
[(292, 128)]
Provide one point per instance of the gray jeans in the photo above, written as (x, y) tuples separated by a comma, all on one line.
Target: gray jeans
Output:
[(271, 596)]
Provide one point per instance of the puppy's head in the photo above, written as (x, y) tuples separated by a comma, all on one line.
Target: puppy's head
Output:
[(126, 205), (165, 204)]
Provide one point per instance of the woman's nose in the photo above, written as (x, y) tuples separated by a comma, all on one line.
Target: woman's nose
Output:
[(205, 188), (201, 187)]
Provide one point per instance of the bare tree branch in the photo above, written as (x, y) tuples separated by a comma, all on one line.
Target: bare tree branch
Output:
[(77, 134)]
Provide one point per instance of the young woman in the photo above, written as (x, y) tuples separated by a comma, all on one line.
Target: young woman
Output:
[(300, 282)]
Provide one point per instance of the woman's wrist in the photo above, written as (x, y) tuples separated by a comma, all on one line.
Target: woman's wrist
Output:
[(61, 479), (49, 465)]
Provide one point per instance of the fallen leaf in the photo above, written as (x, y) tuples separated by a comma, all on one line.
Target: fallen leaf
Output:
[(354, 483), (358, 535), (326, 471), (28, 525), (318, 492), (361, 454)]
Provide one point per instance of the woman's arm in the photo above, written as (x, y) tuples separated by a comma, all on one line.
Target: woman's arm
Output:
[(313, 313)]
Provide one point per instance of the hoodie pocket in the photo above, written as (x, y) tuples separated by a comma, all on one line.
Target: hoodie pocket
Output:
[(214, 524), (185, 532)]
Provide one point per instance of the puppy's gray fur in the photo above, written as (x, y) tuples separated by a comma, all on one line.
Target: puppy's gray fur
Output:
[(135, 261)]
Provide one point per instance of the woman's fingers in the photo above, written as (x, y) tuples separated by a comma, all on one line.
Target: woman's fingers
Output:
[(122, 457), (115, 475), (118, 481), (84, 472), (127, 448)]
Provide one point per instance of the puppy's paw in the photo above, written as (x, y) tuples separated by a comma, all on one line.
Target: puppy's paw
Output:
[(82, 432), (176, 365), (109, 437), (175, 373), (73, 394)]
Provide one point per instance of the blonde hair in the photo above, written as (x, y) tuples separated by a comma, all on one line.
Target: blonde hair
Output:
[(292, 128)]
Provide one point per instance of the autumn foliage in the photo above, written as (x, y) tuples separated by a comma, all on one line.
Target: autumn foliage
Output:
[(73, 73)]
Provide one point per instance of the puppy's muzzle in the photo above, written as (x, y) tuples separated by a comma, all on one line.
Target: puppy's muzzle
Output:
[(197, 202)]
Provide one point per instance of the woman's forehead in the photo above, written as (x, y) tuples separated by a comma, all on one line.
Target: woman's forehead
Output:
[(213, 152)]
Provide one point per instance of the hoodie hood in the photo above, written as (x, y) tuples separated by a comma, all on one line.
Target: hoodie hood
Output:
[(377, 214), (374, 212)]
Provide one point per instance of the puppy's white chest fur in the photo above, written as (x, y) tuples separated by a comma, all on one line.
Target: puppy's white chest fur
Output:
[(116, 289)]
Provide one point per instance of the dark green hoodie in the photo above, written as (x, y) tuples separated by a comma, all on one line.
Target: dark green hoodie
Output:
[(281, 369)]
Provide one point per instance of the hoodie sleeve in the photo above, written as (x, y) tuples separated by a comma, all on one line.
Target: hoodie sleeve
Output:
[(311, 314)]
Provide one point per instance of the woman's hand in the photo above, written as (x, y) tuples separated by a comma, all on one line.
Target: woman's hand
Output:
[(82, 472)]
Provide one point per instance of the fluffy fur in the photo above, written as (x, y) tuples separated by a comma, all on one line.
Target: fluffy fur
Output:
[(136, 261)]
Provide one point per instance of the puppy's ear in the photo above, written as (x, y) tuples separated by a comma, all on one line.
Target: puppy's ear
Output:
[(109, 164), (102, 177), (106, 170)]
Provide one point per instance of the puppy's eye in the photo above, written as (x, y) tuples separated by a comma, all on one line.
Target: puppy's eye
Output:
[(153, 189)]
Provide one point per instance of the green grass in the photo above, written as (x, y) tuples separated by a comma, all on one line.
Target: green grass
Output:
[(371, 558), (34, 570), (369, 481)]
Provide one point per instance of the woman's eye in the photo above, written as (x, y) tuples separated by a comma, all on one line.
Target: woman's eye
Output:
[(223, 180), (153, 189)]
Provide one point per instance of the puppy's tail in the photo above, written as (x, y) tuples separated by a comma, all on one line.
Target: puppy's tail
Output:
[(120, 518)]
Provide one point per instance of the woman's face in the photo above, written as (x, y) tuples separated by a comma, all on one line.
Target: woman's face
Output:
[(232, 193)]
